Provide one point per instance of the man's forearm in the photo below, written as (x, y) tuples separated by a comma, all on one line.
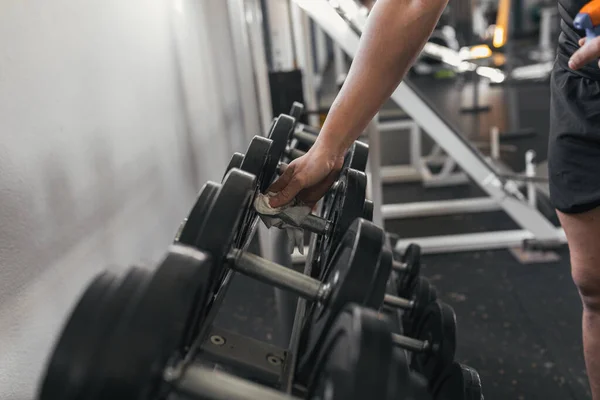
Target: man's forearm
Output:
[(395, 33)]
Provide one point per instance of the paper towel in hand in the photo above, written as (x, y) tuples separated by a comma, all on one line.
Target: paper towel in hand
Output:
[(288, 217)]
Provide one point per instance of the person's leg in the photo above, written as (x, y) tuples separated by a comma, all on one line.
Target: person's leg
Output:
[(574, 172), (583, 236)]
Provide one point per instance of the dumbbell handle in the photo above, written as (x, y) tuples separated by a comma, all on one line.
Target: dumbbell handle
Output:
[(398, 302), (311, 130), (312, 223), (305, 137), (410, 344), (399, 266), (203, 383), (316, 224), (286, 278), (294, 153)]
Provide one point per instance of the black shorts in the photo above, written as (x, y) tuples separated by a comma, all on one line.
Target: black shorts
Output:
[(574, 145)]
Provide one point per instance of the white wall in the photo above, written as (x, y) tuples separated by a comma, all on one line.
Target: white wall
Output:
[(112, 115)]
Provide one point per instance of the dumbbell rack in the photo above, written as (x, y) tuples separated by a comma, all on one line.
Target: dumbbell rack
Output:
[(127, 335)]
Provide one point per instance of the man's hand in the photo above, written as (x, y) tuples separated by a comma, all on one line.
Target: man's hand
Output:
[(308, 177), (587, 53)]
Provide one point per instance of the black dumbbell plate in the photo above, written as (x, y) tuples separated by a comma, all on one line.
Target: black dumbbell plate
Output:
[(380, 276), (368, 210), (109, 366), (158, 327), (297, 110), (438, 327), (352, 266), (280, 133), (355, 359), (223, 223), (253, 163), (404, 383), (358, 156), (192, 224), (174, 293), (459, 382), (235, 162), (423, 295), (346, 204), (407, 279), (87, 355), (256, 156), (72, 360)]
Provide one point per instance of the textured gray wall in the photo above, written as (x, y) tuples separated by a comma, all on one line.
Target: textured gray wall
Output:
[(112, 115)]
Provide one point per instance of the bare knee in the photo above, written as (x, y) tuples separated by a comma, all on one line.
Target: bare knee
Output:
[(583, 231), (587, 279)]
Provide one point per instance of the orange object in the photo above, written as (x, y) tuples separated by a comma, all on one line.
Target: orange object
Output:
[(593, 10), (501, 29)]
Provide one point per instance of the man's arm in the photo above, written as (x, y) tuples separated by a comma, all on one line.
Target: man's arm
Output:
[(395, 33)]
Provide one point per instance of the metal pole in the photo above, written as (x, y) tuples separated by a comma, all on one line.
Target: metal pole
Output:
[(339, 61), (530, 172), (202, 383), (415, 146), (302, 40), (495, 143), (374, 167), (254, 19)]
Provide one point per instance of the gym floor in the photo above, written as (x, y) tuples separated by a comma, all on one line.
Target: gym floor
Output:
[(519, 325)]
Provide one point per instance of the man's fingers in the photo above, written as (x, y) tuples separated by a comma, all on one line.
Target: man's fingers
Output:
[(286, 194), (581, 41), (585, 54), (283, 180)]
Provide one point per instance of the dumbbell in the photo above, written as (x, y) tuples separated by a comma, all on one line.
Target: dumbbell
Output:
[(121, 341), (364, 343), (458, 382), (408, 268), (304, 133), (342, 204), (422, 295), (122, 327), (254, 162), (433, 346)]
